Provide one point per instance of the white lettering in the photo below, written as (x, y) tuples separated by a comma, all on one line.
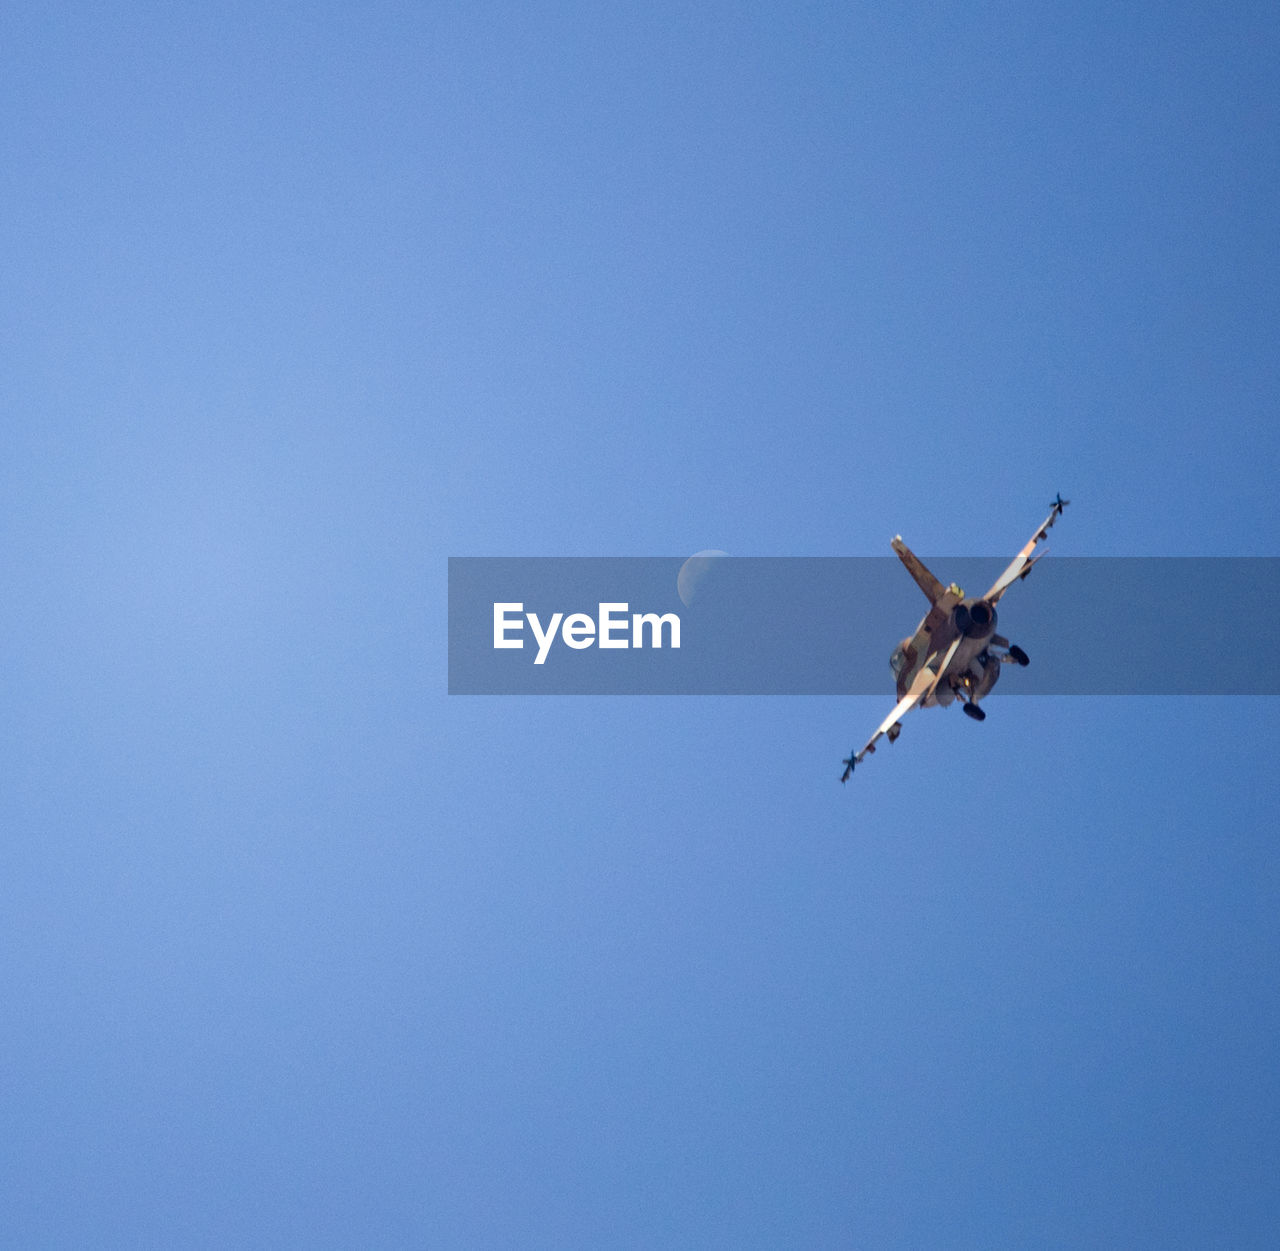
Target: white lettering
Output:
[(544, 640), (609, 623), (501, 625), (579, 631), (655, 623)]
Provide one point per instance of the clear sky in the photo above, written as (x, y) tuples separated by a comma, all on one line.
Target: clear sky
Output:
[(302, 299)]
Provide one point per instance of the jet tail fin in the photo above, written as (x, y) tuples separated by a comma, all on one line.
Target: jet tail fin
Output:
[(915, 567)]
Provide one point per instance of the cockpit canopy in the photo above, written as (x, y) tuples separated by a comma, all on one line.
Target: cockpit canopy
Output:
[(898, 659)]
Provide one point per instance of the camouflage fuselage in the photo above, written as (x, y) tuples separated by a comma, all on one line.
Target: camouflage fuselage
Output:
[(950, 618)]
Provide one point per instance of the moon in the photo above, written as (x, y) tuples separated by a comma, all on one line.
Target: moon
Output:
[(694, 573)]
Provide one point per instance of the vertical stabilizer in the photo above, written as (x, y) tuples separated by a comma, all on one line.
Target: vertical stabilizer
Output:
[(915, 567)]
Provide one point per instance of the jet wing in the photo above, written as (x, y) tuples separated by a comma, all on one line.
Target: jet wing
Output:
[(942, 668), (923, 684), (1023, 561)]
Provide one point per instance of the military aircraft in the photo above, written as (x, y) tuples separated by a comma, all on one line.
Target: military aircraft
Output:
[(955, 650)]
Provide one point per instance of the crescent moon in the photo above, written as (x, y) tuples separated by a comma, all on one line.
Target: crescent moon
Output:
[(693, 573)]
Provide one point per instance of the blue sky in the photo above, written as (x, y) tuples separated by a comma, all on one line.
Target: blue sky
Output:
[(303, 300)]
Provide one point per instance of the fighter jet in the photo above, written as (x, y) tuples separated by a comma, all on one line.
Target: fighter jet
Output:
[(955, 651)]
